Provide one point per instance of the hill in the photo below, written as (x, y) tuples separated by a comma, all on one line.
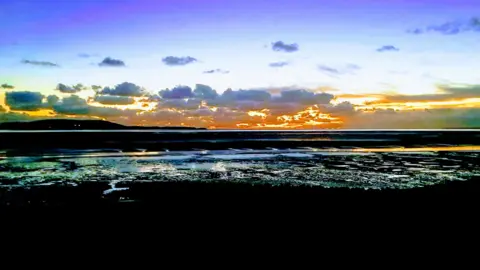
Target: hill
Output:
[(69, 124)]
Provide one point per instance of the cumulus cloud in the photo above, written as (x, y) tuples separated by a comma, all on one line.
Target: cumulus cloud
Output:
[(220, 71), (280, 46), (124, 89), (39, 63), (388, 48), (204, 92), (52, 100), (246, 95), (110, 62), (70, 89), (114, 100), (179, 92), (178, 61), (75, 105), (24, 101), (453, 27), (278, 64), (71, 105), (304, 97), (7, 86), (181, 104)]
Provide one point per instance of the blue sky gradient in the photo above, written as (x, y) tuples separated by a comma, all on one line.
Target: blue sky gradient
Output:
[(436, 43)]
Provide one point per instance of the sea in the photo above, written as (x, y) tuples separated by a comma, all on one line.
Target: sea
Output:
[(355, 159)]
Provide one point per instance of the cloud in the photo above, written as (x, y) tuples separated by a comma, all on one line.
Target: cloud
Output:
[(450, 27), (202, 106), (178, 61), (52, 100), (221, 71), (335, 71), (96, 87), (388, 48), (7, 86), (180, 104), (124, 89), (179, 92), (16, 116), (246, 95), (114, 100), (86, 55), (304, 97), (75, 105), (110, 62), (280, 46), (204, 92), (278, 64), (446, 93), (72, 105), (39, 63), (24, 101), (70, 89), (425, 119), (343, 108), (328, 70)]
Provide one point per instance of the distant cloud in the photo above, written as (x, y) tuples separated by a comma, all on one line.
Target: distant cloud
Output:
[(7, 86), (334, 71), (86, 55), (179, 92), (70, 89), (280, 46), (178, 61), (388, 48), (221, 71), (450, 27), (329, 70), (124, 89), (110, 62), (24, 100), (351, 67), (278, 64), (39, 63), (114, 100)]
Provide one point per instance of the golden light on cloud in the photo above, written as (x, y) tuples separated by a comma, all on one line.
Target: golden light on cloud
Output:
[(356, 99), (419, 105), (263, 113), (308, 118)]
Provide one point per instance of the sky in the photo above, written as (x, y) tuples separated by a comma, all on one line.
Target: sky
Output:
[(263, 64)]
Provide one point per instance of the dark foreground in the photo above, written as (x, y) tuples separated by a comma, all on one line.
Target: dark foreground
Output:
[(226, 198)]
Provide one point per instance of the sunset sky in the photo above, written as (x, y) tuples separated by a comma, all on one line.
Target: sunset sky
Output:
[(243, 63)]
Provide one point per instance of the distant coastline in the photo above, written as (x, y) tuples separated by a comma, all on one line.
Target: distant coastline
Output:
[(69, 124)]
